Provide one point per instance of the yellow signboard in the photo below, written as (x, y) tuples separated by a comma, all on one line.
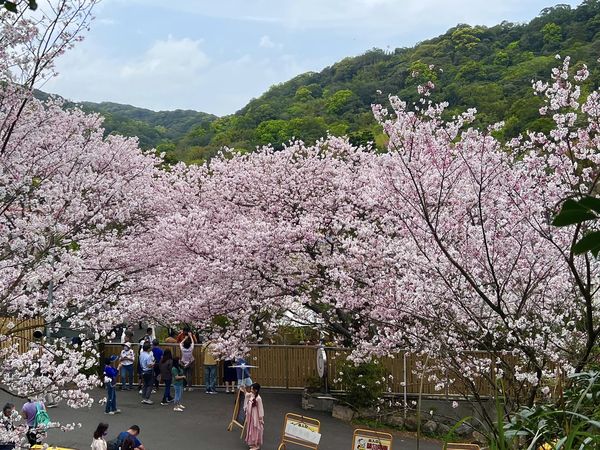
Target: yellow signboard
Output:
[(371, 440), (300, 430)]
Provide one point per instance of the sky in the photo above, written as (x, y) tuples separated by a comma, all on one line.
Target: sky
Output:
[(216, 55)]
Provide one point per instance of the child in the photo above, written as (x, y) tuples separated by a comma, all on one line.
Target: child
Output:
[(178, 379), (255, 417)]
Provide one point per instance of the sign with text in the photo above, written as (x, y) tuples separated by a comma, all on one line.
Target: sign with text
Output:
[(300, 430), (371, 440)]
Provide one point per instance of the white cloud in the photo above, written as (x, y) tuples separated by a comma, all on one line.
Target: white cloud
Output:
[(266, 42), (171, 73)]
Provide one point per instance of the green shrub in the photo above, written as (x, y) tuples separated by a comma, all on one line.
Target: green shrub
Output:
[(364, 383)]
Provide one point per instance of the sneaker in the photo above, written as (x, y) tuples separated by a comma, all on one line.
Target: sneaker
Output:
[(181, 406), (141, 391), (112, 413), (170, 400), (154, 391), (147, 402), (190, 389), (117, 411), (207, 392), (164, 403), (177, 409), (212, 392)]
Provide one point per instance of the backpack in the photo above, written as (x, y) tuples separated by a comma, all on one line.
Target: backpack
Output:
[(42, 419), (115, 444)]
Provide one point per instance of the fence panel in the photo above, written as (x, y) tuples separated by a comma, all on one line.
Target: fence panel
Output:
[(290, 367), (20, 331)]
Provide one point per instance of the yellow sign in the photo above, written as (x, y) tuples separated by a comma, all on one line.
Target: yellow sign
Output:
[(371, 440), (300, 430)]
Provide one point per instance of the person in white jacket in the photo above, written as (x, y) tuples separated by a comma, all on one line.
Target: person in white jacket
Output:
[(99, 443)]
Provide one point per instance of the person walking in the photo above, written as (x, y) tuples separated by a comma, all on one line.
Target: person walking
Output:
[(255, 417), (178, 380), (126, 360), (187, 359), (110, 381), (165, 366), (147, 366), (210, 368), (157, 352), (99, 443)]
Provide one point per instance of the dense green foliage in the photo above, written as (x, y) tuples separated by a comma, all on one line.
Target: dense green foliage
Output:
[(570, 422), (489, 68), (364, 383), (154, 129), (474, 66)]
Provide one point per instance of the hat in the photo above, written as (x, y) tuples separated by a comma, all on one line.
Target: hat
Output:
[(113, 358), (127, 344)]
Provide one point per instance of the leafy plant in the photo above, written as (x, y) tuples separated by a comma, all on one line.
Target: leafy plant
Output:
[(573, 422), (578, 212), (364, 383)]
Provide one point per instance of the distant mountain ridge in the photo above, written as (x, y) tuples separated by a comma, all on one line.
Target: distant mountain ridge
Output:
[(152, 127), (489, 68)]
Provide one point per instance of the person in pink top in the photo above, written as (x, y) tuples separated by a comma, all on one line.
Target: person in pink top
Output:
[(255, 417)]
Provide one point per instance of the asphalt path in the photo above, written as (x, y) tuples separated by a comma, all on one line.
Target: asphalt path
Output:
[(203, 425)]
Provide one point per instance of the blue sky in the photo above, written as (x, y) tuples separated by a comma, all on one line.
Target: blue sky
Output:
[(215, 55)]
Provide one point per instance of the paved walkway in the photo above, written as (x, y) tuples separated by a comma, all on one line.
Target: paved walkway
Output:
[(202, 426)]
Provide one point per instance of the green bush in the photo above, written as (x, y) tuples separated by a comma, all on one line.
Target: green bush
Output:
[(364, 383), (570, 422)]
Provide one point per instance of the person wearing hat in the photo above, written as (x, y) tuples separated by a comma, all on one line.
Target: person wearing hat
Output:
[(110, 381), (126, 361)]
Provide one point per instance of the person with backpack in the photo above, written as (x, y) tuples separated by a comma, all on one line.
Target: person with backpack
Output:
[(37, 419), (99, 443), (131, 434)]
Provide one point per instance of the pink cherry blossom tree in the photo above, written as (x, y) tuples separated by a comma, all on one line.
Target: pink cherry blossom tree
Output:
[(443, 245), (73, 206)]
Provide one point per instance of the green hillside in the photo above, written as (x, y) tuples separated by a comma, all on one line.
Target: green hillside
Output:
[(489, 68), (151, 127)]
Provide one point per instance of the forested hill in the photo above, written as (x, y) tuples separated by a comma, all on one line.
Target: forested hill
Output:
[(489, 68), (151, 127)]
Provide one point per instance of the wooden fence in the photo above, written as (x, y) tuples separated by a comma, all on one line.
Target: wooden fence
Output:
[(19, 331), (291, 367)]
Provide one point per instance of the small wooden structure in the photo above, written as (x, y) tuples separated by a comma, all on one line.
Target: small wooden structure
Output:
[(239, 415)]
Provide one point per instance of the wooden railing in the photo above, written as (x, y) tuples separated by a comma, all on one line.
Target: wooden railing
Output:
[(19, 332), (290, 367)]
